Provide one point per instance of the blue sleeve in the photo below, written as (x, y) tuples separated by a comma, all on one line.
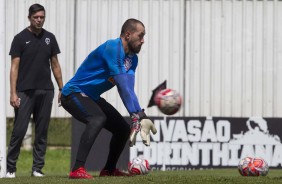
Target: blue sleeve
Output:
[(125, 84), (113, 55)]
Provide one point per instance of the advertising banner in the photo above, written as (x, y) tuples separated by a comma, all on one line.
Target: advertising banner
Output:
[(184, 143)]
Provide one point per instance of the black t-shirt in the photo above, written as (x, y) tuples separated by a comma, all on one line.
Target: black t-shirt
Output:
[(35, 53)]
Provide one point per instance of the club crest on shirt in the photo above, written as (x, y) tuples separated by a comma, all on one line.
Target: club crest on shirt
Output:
[(47, 41), (127, 63)]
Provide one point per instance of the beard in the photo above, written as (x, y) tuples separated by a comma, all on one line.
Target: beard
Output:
[(134, 49)]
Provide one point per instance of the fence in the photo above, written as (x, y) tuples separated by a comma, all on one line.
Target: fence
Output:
[(221, 55)]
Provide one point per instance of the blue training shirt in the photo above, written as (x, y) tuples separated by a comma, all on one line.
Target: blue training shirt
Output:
[(96, 74)]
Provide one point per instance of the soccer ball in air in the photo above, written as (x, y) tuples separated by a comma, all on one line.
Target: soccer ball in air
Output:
[(139, 166), (250, 166), (168, 101)]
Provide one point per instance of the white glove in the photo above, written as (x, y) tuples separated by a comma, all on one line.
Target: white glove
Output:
[(147, 126), (135, 128), (141, 123)]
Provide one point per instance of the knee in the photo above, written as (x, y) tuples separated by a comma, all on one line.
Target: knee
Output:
[(97, 122), (92, 129), (18, 134)]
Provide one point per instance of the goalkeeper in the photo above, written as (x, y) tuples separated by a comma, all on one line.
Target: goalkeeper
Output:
[(112, 63)]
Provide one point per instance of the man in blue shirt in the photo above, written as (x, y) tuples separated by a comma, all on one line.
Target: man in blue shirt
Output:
[(112, 63)]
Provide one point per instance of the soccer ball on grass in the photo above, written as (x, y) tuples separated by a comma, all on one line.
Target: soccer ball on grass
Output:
[(139, 166), (250, 166)]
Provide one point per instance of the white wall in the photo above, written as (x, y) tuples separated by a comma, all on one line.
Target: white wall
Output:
[(221, 55), (59, 20), (232, 58)]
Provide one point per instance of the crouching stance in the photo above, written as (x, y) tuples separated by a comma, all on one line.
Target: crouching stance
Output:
[(112, 63)]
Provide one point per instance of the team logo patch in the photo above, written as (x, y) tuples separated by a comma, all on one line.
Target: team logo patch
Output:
[(127, 63), (47, 41), (257, 133)]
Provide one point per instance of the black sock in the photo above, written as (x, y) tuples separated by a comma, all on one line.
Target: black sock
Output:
[(110, 167), (78, 164)]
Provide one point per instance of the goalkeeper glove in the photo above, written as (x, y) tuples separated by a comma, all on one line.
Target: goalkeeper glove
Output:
[(140, 122), (147, 126), (135, 128)]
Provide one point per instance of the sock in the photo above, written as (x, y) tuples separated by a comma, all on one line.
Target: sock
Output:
[(78, 164), (110, 167)]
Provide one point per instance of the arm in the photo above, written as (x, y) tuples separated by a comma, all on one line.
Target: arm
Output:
[(125, 84), (140, 122), (14, 99), (124, 79), (56, 69)]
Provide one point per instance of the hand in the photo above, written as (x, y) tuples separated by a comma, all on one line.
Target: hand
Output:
[(15, 101), (147, 126), (135, 128), (140, 122), (59, 99)]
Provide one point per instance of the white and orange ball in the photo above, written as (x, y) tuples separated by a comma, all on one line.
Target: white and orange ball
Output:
[(250, 166)]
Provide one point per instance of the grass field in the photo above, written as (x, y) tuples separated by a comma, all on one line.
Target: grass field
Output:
[(55, 136), (58, 163)]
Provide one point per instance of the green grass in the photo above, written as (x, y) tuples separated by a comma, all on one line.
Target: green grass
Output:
[(221, 176), (59, 133), (58, 164)]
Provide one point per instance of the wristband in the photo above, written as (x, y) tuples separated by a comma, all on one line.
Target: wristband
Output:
[(60, 89), (142, 115)]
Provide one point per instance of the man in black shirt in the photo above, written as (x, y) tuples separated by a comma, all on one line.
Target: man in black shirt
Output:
[(33, 52)]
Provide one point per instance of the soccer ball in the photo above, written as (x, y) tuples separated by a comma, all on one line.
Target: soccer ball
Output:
[(139, 166), (168, 101), (253, 167), (243, 166)]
